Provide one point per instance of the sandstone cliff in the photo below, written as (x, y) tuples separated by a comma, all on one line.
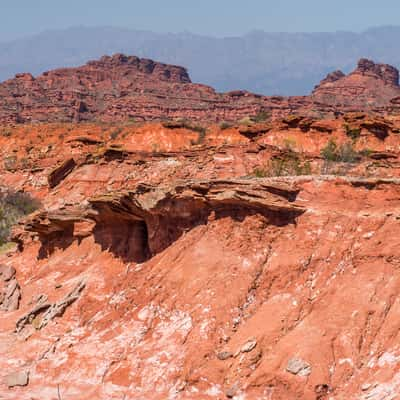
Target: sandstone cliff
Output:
[(369, 85)]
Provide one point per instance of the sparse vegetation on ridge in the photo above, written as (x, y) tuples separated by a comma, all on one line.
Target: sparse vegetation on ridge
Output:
[(288, 164), (352, 132), (191, 126), (261, 116), (340, 153)]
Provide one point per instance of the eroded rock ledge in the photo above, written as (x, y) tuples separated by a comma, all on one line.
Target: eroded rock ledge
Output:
[(137, 224)]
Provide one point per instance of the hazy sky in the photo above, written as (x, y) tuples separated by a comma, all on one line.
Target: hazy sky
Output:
[(211, 17)]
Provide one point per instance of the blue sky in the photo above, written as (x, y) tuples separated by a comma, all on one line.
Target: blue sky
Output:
[(210, 17)]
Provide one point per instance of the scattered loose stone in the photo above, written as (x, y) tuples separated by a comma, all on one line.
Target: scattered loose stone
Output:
[(322, 390), (49, 311), (297, 366), (365, 387), (11, 293), (57, 309), (224, 355), (7, 272), (17, 379), (232, 391), (249, 346), (10, 296), (31, 316)]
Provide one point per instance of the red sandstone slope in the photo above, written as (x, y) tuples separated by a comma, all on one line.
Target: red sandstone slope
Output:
[(173, 272), (120, 88), (167, 260)]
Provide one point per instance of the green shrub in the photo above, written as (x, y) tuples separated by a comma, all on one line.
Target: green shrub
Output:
[(115, 133), (366, 152), (290, 164), (262, 116), (329, 152), (10, 163), (260, 172), (347, 154), (6, 132), (13, 206), (289, 144), (225, 125), (343, 153), (352, 132)]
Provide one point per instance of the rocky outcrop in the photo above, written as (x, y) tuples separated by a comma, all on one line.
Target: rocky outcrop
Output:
[(369, 86), (44, 312), (254, 130), (333, 77), (129, 64), (384, 72), (61, 172), (155, 217), (10, 295), (356, 123)]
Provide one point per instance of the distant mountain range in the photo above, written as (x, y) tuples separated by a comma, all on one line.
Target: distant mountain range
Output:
[(265, 63)]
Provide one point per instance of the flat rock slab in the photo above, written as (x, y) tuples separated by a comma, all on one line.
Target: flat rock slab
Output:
[(249, 346), (7, 272), (61, 172), (297, 366), (17, 379)]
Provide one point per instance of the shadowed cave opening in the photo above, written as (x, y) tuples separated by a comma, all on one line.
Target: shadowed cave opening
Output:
[(126, 239), (137, 239)]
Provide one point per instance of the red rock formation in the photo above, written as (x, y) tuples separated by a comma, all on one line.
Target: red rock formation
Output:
[(388, 74), (122, 88), (59, 173), (369, 86), (333, 77), (118, 88)]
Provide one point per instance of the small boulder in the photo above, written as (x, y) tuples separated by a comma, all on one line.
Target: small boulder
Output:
[(232, 391), (297, 366), (7, 272), (254, 130), (224, 355), (366, 386), (322, 391), (10, 296), (249, 346), (17, 379)]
